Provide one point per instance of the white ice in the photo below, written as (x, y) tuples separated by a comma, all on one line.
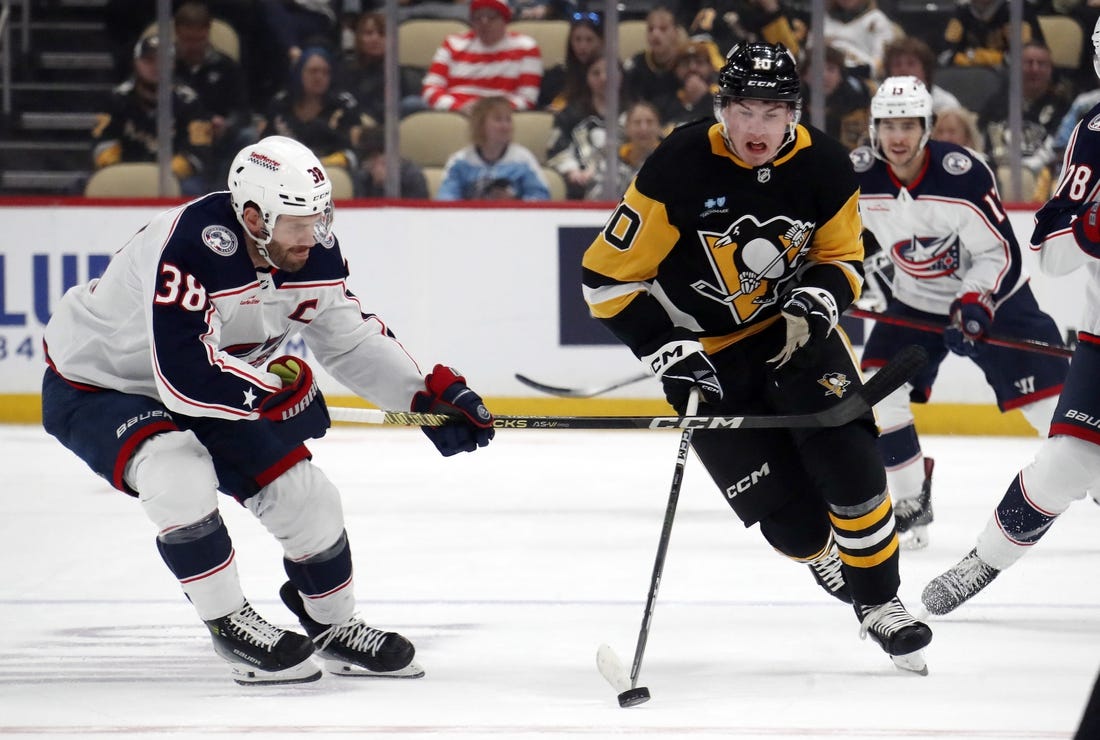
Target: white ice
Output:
[(508, 568)]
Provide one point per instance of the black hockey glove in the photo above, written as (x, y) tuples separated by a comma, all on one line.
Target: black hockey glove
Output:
[(446, 392), (682, 364), (811, 316), (299, 408), (971, 315)]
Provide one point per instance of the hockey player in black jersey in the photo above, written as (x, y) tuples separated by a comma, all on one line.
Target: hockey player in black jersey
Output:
[(162, 379), (725, 267)]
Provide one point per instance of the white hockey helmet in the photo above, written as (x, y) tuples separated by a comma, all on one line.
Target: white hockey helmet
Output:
[(282, 177), (900, 97), (1096, 47)]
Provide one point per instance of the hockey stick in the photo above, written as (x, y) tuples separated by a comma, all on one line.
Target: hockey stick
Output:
[(899, 370), (582, 392), (608, 663), (1025, 345)]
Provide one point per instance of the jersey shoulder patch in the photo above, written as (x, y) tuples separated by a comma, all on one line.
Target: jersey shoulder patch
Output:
[(957, 163), (862, 158), (1094, 123)]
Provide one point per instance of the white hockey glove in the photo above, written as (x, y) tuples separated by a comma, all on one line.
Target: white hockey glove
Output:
[(811, 315)]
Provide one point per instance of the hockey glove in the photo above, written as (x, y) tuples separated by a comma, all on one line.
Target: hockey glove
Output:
[(1086, 229), (970, 314), (446, 393), (811, 316), (299, 408), (682, 364)]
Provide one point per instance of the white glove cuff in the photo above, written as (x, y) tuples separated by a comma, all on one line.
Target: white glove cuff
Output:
[(669, 354), (826, 303)]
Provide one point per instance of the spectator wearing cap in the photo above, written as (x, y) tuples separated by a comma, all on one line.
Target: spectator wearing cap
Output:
[(488, 60), (127, 129), (698, 83)]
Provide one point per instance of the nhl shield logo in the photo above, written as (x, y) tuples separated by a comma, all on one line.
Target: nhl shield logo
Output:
[(220, 239), (763, 174)]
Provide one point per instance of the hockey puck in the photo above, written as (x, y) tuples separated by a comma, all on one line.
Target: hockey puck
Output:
[(634, 697)]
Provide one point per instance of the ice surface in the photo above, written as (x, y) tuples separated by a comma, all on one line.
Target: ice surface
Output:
[(508, 568)]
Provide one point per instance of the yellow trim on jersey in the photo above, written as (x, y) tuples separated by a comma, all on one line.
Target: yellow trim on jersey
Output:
[(647, 237)]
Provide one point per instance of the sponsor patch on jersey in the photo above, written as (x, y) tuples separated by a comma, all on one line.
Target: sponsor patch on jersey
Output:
[(220, 239), (862, 158), (957, 163), (1094, 124), (714, 205)]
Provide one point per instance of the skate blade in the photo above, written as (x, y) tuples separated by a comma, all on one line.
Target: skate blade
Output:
[(911, 663), (344, 668), (304, 672)]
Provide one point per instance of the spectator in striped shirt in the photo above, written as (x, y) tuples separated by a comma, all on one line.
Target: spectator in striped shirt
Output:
[(485, 61)]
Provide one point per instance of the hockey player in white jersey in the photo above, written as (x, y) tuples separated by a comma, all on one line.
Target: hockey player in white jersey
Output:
[(933, 210), (1067, 236), (161, 378)]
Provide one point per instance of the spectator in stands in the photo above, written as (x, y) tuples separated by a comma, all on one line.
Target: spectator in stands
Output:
[(651, 74), (324, 118), (959, 126), (488, 60), (370, 178), (909, 55), (698, 84), (127, 130), (363, 73), (285, 29), (847, 100), (1054, 146), (566, 81), (730, 22), (578, 141), (493, 166), (1045, 103), (977, 35), (860, 30), (642, 134), (219, 82)]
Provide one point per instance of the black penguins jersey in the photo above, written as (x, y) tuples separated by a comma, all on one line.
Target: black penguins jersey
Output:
[(703, 241)]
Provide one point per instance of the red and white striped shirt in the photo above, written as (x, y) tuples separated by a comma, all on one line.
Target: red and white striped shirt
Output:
[(464, 69)]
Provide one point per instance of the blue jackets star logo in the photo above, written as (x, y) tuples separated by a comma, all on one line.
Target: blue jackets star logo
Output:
[(249, 398)]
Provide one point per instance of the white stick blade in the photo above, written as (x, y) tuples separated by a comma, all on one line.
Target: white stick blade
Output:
[(612, 669)]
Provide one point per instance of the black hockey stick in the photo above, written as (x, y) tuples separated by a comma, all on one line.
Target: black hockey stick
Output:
[(899, 370), (1025, 345), (582, 392), (608, 663)]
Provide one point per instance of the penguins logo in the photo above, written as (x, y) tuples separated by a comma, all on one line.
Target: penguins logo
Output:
[(751, 260), (835, 384)]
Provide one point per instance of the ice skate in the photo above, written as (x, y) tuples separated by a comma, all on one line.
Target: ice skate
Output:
[(896, 632), (947, 591), (353, 648), (913, 515), (258, 652), (828, 573)]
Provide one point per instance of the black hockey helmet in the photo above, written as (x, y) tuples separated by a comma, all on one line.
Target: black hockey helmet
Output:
[(759, 71)]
